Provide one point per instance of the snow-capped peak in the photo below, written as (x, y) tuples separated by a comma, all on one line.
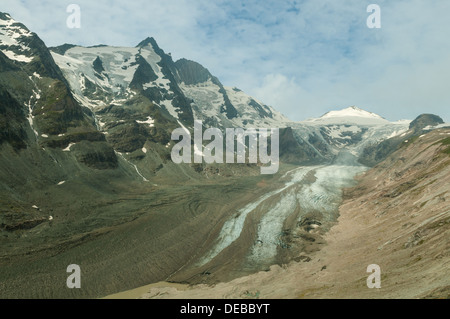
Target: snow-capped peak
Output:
[(350, 115), (351, 111)]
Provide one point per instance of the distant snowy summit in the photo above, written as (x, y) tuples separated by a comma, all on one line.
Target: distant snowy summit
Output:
[(352, 111), (349, 115)]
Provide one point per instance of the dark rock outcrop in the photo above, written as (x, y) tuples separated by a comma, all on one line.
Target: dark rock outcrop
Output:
[(425, 120)]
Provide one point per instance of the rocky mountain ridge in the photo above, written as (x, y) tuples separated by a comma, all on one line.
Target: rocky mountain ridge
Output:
[(137, 96)]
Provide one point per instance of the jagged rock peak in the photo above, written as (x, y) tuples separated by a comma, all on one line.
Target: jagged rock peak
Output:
[(146, 42), (5, 16)]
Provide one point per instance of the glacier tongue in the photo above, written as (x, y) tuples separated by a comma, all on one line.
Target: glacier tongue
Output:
[(232, 228), (323, 194)]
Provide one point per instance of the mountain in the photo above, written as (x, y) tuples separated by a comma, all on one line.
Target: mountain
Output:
[(103, 76), (138, 96), (116, 77), (86, 173), (130, 100), (40, 104), (46, 137), (25, 48)]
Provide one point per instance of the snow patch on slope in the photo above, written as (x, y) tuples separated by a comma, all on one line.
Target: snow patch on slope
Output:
[(149, 121)]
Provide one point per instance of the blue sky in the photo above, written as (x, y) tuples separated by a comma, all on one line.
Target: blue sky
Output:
[(303, 57)]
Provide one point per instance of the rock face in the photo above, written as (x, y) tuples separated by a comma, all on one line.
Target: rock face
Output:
[(12, 121), (425, 120), (295, 150), (192, 73)]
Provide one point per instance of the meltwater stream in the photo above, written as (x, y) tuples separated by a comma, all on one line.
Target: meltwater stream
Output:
[(321, 190)]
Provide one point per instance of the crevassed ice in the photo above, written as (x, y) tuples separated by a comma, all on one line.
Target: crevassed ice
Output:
[(324, 194), (232, 228), (271, 226)]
